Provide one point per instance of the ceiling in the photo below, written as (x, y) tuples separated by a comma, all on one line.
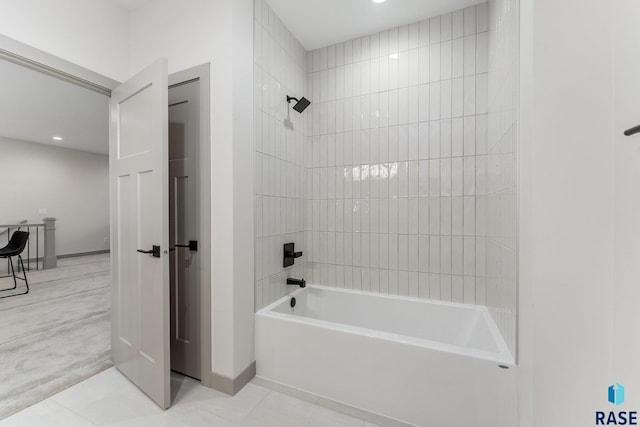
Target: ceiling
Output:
[(36, 107), (131, 4), (319, 23)]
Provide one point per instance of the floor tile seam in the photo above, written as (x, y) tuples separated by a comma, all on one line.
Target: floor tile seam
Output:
[(260, 403), (51, 398), (248, 414)]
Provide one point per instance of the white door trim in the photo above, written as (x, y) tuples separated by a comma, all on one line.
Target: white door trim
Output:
[(38, 60)]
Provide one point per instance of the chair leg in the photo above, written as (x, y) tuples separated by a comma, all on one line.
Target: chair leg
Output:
[(24, 273), (15, 283), (13, 272)]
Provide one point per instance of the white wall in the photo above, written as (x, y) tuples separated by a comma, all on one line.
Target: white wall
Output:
[(526, 319), (91, 33), (399, 155), (189, 33), (280, 70), (566, 212), (72, 185), (626, 280), (502, 168)]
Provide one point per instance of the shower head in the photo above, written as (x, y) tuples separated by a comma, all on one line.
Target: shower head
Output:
[(301, 104)]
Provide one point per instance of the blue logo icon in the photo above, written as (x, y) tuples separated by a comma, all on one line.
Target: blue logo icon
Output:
[(616, 417), (616, 394)]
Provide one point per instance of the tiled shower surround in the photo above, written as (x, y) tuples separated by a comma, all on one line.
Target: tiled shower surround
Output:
[(382, 182), (396, 195), (280, 173)]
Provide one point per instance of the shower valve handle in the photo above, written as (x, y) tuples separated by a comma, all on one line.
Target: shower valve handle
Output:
[(289, 255)]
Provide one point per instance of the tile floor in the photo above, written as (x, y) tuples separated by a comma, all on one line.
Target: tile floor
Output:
[(109, 399)]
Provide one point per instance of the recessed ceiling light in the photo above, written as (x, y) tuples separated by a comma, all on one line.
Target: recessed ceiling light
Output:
[(57, 138), (378, 1)]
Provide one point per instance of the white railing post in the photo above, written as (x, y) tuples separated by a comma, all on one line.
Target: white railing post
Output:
[(49, 259)]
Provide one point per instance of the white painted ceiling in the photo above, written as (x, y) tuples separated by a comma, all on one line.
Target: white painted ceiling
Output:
[(35, 107), (319, 23), (131, 4)]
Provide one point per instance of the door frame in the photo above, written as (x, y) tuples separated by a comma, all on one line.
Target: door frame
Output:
[(201, 73), (20, 53), (38, 60)]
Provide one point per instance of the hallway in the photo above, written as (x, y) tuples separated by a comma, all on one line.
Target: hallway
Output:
[(56, 335)]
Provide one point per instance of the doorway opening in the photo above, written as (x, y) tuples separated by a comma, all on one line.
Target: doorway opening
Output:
[(185, 225), (160, 201), (54, 145), (201, 302), (190, 223)]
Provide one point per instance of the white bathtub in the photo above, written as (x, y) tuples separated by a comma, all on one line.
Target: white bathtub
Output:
[(424, 363)]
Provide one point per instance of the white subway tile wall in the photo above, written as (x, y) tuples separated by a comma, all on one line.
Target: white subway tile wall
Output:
[(400, 178), (280, 65), (396, 193), (501, 167)]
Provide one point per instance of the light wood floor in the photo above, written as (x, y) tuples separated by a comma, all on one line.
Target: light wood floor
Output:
[(58, 334)]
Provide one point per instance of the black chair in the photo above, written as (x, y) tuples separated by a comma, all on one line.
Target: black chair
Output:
[(14, 248)]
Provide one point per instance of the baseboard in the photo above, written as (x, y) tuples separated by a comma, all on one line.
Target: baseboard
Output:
[(105, 251), (334, 405), (232, 386), (31, 260)]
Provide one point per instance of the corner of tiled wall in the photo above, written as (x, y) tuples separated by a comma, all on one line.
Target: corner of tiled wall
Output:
[(502, 182), (279, 138)]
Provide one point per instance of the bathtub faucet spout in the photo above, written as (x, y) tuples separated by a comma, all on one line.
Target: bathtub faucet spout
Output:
[(297, 282)]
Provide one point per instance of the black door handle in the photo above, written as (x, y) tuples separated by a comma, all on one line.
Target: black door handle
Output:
[(155, 251), (633, 130), (193, 245)]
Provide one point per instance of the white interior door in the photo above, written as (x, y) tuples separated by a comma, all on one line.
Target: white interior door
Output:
[(138, 173), (184, 227)]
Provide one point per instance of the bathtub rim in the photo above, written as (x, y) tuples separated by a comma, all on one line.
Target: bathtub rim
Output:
[(503, 356)]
